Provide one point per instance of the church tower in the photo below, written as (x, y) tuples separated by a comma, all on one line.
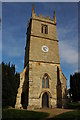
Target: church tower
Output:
[(42, 83)]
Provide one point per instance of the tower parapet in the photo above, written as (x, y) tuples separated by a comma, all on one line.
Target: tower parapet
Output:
[(34, 16), (48, 18), (41, 16)]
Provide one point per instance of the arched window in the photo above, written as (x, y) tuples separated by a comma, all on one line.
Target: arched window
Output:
[(44, 29), (45, 81)]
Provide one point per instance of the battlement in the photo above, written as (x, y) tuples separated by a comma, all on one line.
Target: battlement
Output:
[(42, 18), (34, 16), (48, 17), (42, 26)]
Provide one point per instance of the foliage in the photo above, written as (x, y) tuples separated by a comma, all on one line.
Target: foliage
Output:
[(22, 114), (75, 86), (10, 84)]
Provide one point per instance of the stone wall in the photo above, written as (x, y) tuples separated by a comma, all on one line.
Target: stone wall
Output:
[(36, 72), (36, 53)]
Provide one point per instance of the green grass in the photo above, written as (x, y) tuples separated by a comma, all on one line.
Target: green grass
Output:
[(22, 114), (72, 115)]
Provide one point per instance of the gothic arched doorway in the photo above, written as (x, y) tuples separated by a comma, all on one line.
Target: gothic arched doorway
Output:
[(45, 100)]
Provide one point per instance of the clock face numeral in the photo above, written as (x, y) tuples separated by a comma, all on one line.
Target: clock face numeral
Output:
[(44, 48)]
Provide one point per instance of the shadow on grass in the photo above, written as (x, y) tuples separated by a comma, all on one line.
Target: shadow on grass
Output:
[(72, 115), (12, 114), (73, 105)]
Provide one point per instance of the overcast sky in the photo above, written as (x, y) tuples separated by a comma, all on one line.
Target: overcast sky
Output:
[(15, 17)]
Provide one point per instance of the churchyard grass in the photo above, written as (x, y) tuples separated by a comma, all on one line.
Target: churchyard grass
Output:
[(22, 114), (72, 115)]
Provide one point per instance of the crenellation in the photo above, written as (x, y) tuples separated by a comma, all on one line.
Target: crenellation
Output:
[(35, 14), (48, 17), (45, 19), (41, 16)]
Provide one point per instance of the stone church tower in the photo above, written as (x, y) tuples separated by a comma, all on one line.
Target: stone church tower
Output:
[(42, 83)]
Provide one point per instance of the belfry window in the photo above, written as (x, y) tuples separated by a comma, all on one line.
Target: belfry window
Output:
[(45, 81), (44, 29)]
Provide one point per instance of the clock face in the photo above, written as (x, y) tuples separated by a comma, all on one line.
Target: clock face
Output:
[(44, 48)]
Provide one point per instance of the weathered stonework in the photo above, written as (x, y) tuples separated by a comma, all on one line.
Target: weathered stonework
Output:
[(38, 64)]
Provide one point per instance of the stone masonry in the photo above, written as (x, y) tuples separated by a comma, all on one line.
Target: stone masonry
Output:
[(42, 83)]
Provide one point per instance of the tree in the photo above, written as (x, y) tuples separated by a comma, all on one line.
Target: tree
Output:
[(10, 84), (75, 86)]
